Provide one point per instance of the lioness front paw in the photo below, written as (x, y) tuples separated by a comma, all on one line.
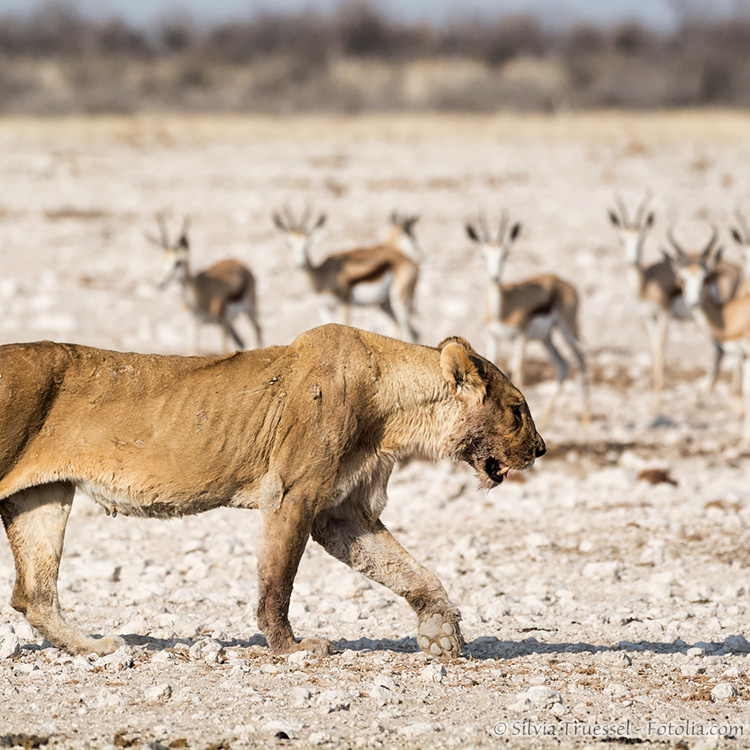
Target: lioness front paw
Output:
[(439, 636)]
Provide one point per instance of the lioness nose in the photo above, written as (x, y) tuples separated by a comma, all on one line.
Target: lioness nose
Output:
[(541, 449)]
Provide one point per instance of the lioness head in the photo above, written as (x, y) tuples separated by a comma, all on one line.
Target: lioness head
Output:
[(494, 432)]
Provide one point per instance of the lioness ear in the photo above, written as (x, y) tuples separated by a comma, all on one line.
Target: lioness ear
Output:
[(459, 371)]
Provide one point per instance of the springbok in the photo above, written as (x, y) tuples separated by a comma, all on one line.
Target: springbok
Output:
[(217, 294), (727, 323), (528, 310), (741, 235), (383, 275), (656, 286)]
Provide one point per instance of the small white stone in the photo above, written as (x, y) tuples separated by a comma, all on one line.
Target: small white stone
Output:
[(433, 673), (117, 661), (691, 670), (541, 696), (695, 653), (163, 657), (11, 646), (723, 690), (301, 697), (25, 632), (158, 693), (333, 700), (300, 657), (318, 738), (417, 729)]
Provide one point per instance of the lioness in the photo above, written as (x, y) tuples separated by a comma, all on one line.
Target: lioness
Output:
[(306, 433)]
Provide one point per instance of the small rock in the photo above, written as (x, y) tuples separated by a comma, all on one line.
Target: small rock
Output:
[(695, 652), (11, 646), (158, 693), (330, 701), (723, 691), (616, 691), (25, 632), (300, 657), (301, 697), (163, 657), (540, 696), (117, 661), (603, 570), (318, 738), (288, 727), (415, 730), (433, 673), (691, 670)]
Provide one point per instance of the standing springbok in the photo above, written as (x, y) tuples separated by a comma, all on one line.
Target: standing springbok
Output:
[(382, 275), (217, 294), (728, 323), (656, 286), (741, 235), (528, 310)]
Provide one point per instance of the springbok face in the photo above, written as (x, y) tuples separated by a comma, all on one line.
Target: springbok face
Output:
[(300, 234), (174, 256), (741, 235), (693, 270), (402, 236), (632, 231), (494, 248)]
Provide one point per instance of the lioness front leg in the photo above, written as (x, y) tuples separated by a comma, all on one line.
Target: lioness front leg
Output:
[(35, 523), (285, 532), (371, 549)]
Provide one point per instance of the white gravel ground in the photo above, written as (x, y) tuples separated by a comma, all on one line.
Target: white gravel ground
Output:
[(597, 606)]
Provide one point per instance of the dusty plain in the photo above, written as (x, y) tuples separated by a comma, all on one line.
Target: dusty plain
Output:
[(598, 608)]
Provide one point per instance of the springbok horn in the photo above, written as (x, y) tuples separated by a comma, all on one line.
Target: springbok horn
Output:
[(676, 245)]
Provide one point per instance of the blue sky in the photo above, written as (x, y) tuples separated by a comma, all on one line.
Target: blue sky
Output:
[(659, 13)]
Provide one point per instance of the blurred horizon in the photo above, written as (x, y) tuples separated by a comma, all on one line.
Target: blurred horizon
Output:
[(657, 14), (354, 56)]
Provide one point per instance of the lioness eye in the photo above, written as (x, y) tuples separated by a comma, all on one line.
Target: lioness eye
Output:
[(517, 415)]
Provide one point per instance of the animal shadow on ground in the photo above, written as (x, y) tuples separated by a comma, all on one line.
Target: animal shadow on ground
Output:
[(487, 648)]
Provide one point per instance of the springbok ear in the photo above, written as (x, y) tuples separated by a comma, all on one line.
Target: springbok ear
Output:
[(715, 259), (458, 369), (670, 259)]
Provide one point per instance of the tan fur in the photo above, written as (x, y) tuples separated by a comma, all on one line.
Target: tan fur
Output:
[(306, 433)]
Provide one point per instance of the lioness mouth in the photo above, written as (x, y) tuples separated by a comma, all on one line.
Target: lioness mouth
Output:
[(496, 470)]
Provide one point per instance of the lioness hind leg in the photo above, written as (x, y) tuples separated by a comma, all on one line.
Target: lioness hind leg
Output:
[(283, 540), (35, 523), (371, 549)]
